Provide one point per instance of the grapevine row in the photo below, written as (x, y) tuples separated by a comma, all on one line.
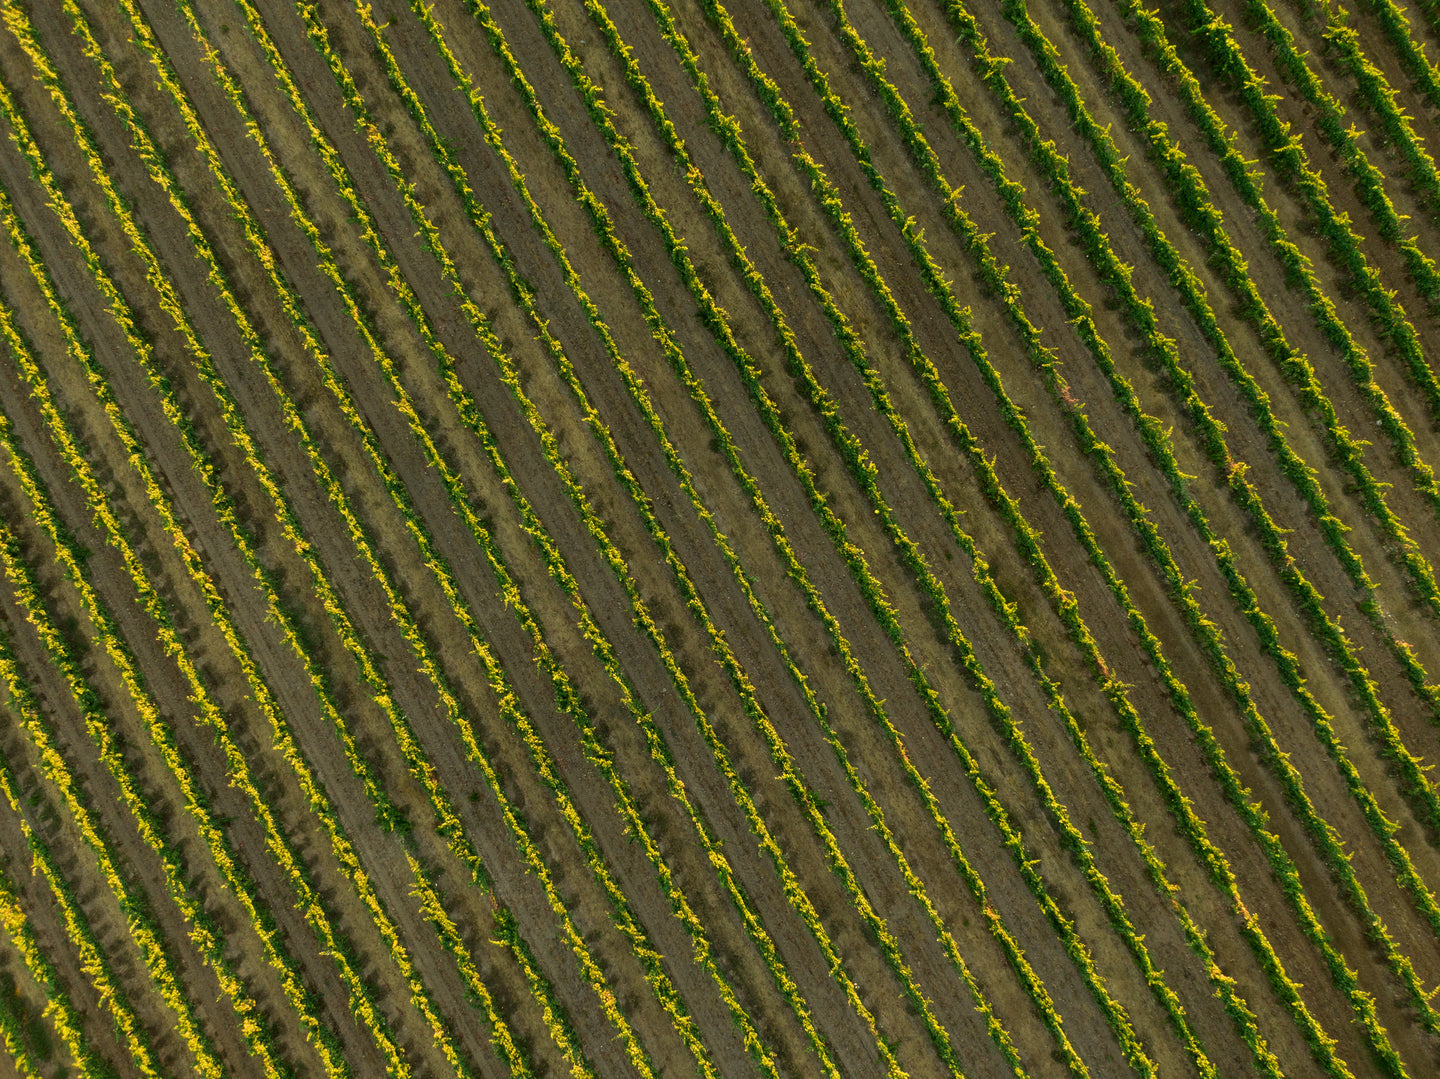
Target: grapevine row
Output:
[(731, 135), (1288, 151), (386, 926), (773, 524), (1292, 161), (1419, 789), (1412, 54), (892, 628), (1310, 600), (1026, 219), (803, 908), (935, 278), (1379, 98), (1365, 687), (524, 295), (847, 445), (1196, 203), (13, 1042)]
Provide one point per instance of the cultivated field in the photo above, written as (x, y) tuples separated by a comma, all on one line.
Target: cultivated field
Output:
[(666, 537)]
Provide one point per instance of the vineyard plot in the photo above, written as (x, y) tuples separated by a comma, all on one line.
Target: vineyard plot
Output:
[(667, 537)]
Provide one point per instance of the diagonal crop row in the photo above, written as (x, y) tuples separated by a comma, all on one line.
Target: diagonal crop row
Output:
[(1363, 684), (774, 525), (386, 813), (1406, 43), (567, 698), (1290, 159), (93, 962), (846, 442), (1419, 790), (1106, 151), (1196, 203), (524, 295), (625, 917), (1233, 472), (994, 277), (171, 604), (15, 1044), (938, 284), (344, 850), (729, 132), (1292, 163), (805, 909), (1026, 219), (1118, 275), (1378, 97), (447, 820)]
